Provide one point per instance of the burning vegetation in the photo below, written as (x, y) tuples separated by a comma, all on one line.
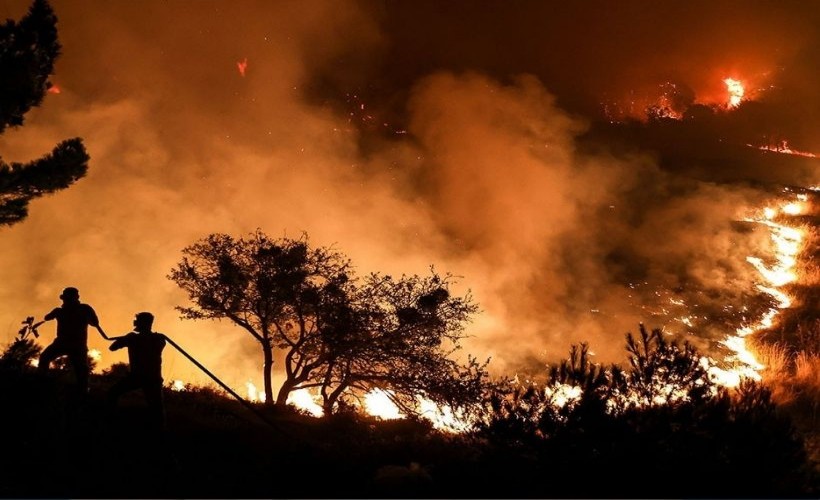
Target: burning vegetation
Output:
[(366, 381)]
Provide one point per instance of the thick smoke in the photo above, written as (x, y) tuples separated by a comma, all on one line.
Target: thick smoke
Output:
[(486, 181)]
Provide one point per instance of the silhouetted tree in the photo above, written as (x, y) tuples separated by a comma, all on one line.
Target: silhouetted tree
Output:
[(28, 50), (276, 290), (659, 415), (336, 333), (661, 372), (513, 411), (398, 335)]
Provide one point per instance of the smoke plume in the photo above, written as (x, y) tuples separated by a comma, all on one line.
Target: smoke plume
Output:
[(460, 150)]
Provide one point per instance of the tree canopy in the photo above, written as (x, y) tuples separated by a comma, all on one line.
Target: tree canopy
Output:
[(28, 49), (336, 333)]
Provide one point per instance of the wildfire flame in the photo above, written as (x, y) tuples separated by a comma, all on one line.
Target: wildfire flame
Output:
[(783, 148), (302, 398), (254, 395), (788, 242), (377, 403), (736, 91)]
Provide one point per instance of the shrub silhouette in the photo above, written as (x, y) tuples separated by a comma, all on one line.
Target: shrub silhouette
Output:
[(660, 416)]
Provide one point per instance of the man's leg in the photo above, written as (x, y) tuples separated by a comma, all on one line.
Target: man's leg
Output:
[(153, 396), (79, 362), (49, 354)]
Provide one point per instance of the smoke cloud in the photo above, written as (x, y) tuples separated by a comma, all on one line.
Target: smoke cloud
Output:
[(458, 148)]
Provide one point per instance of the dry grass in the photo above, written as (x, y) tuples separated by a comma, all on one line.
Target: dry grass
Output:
[(794, 381)]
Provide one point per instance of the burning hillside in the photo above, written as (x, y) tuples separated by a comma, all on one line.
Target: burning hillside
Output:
[(481, 151)]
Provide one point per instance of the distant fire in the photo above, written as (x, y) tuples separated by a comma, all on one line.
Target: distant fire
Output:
[(783, 148), (178, 385), (736, 91), (242, 66), (672, 100)]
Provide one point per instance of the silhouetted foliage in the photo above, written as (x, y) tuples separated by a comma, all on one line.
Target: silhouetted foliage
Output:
[(275, 290), (660, 415), (23, 350), (28, 49), (735, 444), (117, 370), (20, 353), (335, 333), (662, 372), (63, 364), (397, 336)]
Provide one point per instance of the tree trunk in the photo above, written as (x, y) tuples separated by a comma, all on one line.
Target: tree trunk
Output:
[(267, 368), (284, 392)]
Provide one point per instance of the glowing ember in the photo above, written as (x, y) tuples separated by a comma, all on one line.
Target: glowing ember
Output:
[(242, 66), (736, 91), (54, 89)]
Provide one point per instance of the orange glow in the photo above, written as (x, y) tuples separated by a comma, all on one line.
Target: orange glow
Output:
[(54, 89), (178, 385)]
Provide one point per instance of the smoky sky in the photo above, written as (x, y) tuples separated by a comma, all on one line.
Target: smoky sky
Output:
[(405, 135)]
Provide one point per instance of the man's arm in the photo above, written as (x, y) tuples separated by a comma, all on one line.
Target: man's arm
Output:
[(119, 342), (94, 321), (106, 337), (52, 315)]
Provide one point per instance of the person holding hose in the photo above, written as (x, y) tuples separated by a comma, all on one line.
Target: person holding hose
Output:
[(73, 319), (145, 366)]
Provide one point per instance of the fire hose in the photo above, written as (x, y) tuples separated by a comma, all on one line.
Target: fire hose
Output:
[(29, 327), (233, 393)]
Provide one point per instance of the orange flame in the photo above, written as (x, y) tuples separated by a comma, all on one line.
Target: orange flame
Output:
[(783, 148), (377, 403), (301, 398), (242, 66), (736, 91), (788, 242)]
